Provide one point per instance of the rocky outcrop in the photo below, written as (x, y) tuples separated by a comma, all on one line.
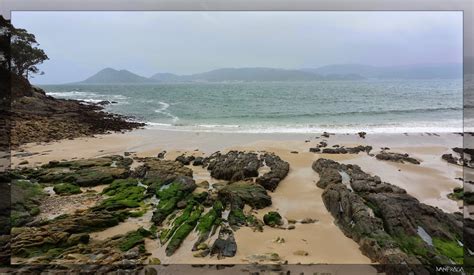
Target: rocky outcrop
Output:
[(236, 166), (233, 166), (396, 157), (390, 226), (185, 160), (464, 159), (278, 171), (224, 245), (347, 150), (37, 117)]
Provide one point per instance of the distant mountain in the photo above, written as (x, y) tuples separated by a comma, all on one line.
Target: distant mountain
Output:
[(165, 77), (109, 76), (430, 71)]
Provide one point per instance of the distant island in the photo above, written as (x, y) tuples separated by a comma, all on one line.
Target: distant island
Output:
[(261, 74)]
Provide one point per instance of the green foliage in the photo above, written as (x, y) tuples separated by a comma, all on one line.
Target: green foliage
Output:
[(25, 54), (450, 249), (65, 189)]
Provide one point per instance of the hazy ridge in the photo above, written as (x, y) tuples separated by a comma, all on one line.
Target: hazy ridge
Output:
[(257, 74)]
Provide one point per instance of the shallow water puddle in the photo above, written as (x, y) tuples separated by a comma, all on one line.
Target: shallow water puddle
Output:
[(424, 235)]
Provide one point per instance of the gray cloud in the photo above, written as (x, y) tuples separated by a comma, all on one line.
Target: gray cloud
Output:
[(81, 43)]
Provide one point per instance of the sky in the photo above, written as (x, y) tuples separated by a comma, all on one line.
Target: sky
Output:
[(79, 44)]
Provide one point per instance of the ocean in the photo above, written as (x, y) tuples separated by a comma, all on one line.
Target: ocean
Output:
[(386, 106)]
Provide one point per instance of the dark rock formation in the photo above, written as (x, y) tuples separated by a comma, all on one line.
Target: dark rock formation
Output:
[(225, 245), (37, 117), (347, 150), (390, 226), (272, 219), (396, 157), (198, 161), (278, 171), (233, 166), (186, 160), (362, 134)]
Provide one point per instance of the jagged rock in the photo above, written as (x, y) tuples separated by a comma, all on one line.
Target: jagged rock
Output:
[(158, 172), (396, 157), (278, 171), (198, 161), (450, 158), (386, 221), (362, 134), (347, 150), (224, 245), (185, 160), (245, 192), (233, 166), (161, 155)]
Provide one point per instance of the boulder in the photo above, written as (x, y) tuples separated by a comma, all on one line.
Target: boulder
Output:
[(396, 157), (278, 171)]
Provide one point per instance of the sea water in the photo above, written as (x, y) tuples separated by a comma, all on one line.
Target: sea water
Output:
[(290, 107)]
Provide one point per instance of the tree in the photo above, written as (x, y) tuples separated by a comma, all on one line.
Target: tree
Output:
[(24, 53)]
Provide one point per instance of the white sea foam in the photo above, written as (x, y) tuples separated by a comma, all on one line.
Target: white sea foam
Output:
[(162, 110), (445, 127)]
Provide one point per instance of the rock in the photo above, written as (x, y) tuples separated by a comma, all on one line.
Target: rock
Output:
[(272, 219), (23, 162), (185, 160), (126, 154), (278, 171), (202, 253), (37, 117), (202, 246), (300, 253), (291, 227), (154, 261), (362, 134), (308, 220), (158, 172), (385, 220), (291, 221), (294, 152), (161, 155), (322, 144), (266, 257), (181, 204), (233, 166), (224, 245), (315, 150), (348, 150), (325, 134), (452, 159), (203, 184), (396, 157), (198, 161), (65, 189), (279, 240), (245, 192)]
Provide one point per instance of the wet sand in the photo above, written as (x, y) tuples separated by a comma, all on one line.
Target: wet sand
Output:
[(297, 196)]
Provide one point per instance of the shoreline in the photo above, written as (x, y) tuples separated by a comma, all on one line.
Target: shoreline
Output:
[(297, 196)]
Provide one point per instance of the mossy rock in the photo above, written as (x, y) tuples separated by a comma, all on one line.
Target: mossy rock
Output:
[(183, 231), (25, 199), (272, 219), (65, 189), (245, 192), (124, 193), (133, 239), (450, 249)]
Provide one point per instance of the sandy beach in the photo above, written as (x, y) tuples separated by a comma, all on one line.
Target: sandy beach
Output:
[(296, 197)]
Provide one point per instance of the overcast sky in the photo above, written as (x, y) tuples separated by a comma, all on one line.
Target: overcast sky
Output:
[(81, 43)]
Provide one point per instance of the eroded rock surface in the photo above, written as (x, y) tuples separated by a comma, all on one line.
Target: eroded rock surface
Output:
[(390, 226), (396, 157)]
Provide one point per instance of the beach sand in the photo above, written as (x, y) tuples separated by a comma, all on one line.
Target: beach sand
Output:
[(297, 196)]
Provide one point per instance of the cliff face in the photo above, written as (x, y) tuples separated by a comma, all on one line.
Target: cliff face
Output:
[(37, 117)]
